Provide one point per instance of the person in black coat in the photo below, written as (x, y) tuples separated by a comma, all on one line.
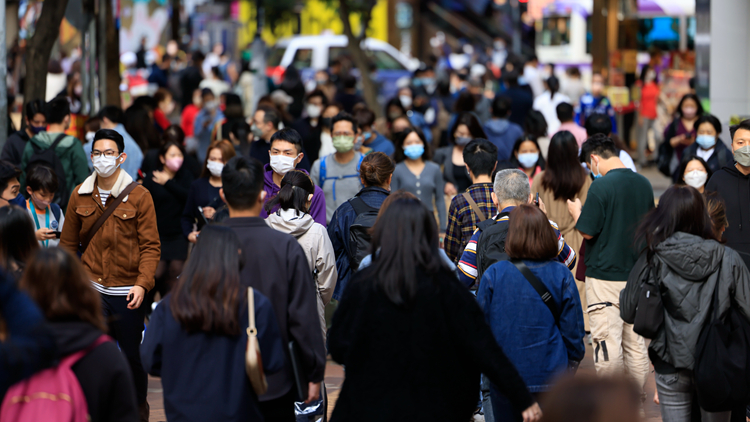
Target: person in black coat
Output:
[(276, 266), (169, 186), (197, 336), (309, 127), (35, 122), (73, 309), (522, 100), (707, 146), (409, 333)]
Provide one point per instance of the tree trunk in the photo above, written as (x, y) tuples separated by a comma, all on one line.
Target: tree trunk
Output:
[(176, 20), (369, 90), (40, 47), (113, 59)]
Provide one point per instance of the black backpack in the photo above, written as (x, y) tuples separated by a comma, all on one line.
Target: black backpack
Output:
[(491, 243), (48, 158), (359, 231)]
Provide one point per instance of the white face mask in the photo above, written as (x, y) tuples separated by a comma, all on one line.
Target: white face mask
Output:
[(106, 166), (281, 164), (405, 100), (313, 111), (215, 167), (696, 178)]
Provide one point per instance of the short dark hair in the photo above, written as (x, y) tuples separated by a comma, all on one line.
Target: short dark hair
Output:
[(364, 117), (56, 110), (42, 178), (113, 114), (530, 235), (270, 114), (7, 171), (145, 102), (207, 91), (744, 125), (564, 112), (111, 135), (35, 107), (349, 81), (501, 106), (318, 93), (344, 116), (400, 137), (480, 155), (472, 123), (708, 118), (535, 124), (598, 123), (288, 135), (599, 144), (242, 181), (198, 56), (511, 78)]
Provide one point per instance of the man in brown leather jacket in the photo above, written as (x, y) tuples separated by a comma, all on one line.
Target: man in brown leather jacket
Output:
[(123, 253)]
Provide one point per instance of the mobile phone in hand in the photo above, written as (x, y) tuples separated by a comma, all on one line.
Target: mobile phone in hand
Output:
[(536, 199), (57, 234), (130, 297)]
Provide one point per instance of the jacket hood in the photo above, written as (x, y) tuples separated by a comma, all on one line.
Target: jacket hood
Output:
[(690, 257), (72, 336), (497, 126), (45, 139), (268, 185), (732, 170), (290, 221)]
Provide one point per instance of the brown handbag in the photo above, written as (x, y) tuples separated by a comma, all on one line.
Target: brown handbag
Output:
[(107, 212), (253, 360)]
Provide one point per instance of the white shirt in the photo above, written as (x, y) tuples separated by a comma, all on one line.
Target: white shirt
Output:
[(534, 78), (547, 105), (705, 155)]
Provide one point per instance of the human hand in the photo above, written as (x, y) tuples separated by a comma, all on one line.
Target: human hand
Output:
[(532, 414), (574, 208), (677, 140), (45, 234), (193, 237), (656, 397), (450, 189), (209, 212), (313, 392), (541, 206), (135, 297), (160, 177)]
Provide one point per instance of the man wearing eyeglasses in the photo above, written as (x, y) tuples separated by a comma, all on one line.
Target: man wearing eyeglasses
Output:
[(121, 254)]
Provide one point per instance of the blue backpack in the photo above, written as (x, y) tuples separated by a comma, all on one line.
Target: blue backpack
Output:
[(324, 174)]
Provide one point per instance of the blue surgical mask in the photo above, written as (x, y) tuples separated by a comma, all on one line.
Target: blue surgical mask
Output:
[(19, 201), (706, 141), (37, 129), (367, 136), (528, 159), (414, 151)]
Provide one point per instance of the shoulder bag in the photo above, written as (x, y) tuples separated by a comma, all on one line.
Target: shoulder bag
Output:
[(540, 288), (474, 207), (107, 213), (253, 360)]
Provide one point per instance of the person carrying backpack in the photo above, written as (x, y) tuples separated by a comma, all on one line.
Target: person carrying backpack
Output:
[(487, 244), (92, 371), (62, 153), (350, 225)]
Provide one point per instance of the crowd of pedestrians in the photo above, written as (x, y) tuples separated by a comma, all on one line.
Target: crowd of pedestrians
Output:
[(472, 243)]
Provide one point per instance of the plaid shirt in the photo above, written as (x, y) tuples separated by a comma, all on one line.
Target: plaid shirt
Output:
[(462, 221)]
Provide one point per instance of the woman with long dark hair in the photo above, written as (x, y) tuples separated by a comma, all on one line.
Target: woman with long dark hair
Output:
[(682, 257), (451, 158), (74, 314), (527, 157), (17, 240), (197, 337), (293, 217), (405, 317), (564, 179), (681, 132), (546, 343)]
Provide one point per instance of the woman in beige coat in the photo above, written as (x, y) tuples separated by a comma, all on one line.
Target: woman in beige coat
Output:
[(564, 179), (292, 217)]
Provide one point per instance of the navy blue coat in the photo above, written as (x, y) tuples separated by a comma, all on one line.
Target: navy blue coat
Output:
[(203, 375), (338, 231)]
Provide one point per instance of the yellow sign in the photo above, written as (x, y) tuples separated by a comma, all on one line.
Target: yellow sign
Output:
[(316, 17)]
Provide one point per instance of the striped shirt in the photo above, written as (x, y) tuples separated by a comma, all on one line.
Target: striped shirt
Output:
[(111, 291), (462, 221), (467, 266), (104, 195)]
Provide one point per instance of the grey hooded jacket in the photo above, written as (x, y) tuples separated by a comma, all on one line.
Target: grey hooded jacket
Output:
[(687, 268)]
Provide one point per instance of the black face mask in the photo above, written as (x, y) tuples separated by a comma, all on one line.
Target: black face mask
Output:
[(325, 122)]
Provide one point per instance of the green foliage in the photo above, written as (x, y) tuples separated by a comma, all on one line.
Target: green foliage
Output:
[(280, 11)]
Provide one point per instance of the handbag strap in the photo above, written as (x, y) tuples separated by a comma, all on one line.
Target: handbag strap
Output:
[(474, 206), (251, 330), (108, 211), (540, 288)]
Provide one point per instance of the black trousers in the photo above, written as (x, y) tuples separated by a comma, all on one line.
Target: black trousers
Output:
[(279, 410), (126, 327)]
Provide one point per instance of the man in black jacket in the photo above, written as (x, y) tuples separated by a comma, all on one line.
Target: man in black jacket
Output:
[(275, 264), (733, 184), (36, 122)]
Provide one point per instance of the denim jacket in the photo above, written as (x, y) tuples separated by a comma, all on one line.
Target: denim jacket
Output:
[(524, 326)]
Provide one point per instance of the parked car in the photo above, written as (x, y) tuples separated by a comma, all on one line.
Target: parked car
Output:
[(316, 52)]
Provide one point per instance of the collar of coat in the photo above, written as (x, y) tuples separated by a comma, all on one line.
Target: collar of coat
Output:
[(123, 180)]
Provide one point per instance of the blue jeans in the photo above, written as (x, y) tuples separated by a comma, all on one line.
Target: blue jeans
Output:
[(676, 398)]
